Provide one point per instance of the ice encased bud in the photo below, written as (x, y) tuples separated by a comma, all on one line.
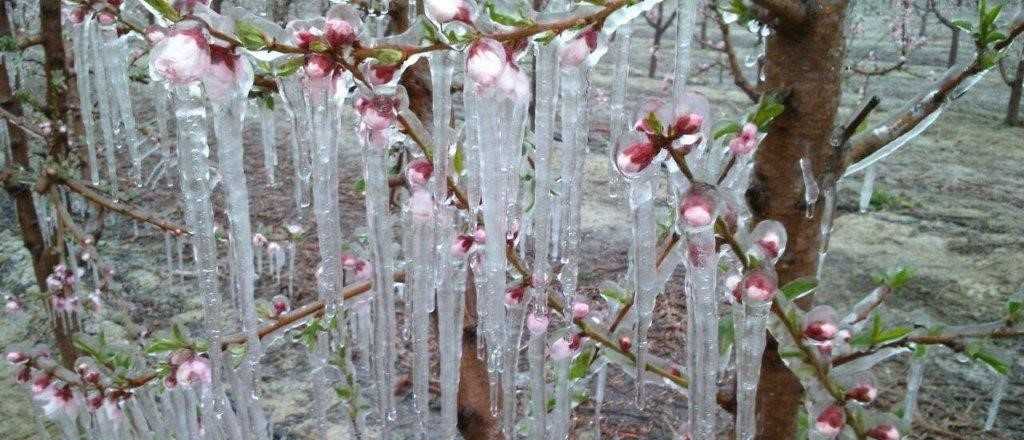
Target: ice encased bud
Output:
[(699, 206), (767, 241), (182, 57)]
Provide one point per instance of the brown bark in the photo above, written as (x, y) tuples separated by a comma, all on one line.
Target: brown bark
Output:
[(44, 256), (805, 60), (954, 48), (475, 420), (1016, 84)]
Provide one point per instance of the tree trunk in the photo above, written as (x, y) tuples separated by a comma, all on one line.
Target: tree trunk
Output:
[(1013, 108), (806, 61), (954, 48), (475, 419)]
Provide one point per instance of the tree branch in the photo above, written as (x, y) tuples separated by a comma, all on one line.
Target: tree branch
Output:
[(84, 190), (872, 140), (953, 341), (734, 65)]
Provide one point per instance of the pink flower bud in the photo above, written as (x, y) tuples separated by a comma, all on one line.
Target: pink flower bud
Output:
[(863, 393), (362, 270), (560, 350), (831, 421), (306, 37), (115, 3), (418, 172), (636, 157), (576, 50), (462, 245), (689, 123), (13, 305), (421, 205), (759, 286), (259, 240), (181, 58), (443, 11), (377, 113), (228, 75), (178, 357), (76, 15), (339, 33), (62, 401), (480, 236), (318, 66), (94, 403), (41, 383), (105, 18), (514, 295), (378, 74), (195, 370), (537, 324), (820, 331), (698, 208), (279, 305), (884, 432), (575, 341), (24, 375), (486, 62), (17, 357), (746, 141), (91, 376), (625, 343), (580, 310)]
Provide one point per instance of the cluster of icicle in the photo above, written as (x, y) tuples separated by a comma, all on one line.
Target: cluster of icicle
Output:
[(523, 204)]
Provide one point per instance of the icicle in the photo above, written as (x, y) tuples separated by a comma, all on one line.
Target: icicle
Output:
[(103, 103), (168, 253), (748, 369), (83, 62), (698, 211), (450, 281), (891, 147), (228, 117), (641, 202), (292, 250), (827, 211), (599, 386), (616, 105), (867, 189), (117, 71), (190, 112), (163, 129), (811, 191), (998, 393), (378, 218), (686, 11), (914, 378), (268, 137), (574, 88), (300, 137)]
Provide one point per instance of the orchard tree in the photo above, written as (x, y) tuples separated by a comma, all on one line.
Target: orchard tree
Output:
[(489, 214)]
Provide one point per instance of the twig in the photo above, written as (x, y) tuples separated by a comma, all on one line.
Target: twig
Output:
[(862, 115), (732, 61), (114, 205), (23, 123)]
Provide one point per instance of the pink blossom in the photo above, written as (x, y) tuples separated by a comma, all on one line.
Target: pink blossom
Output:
[(770, 244), (379, 74), (363, 270), (62, 401), (863, 392), (625, 343), (444, 11), (421, 205), (463, 245), (376, 113), (339, 33), (105, 18), (259, 240), (746, 141), (884, 432), (514, 295), (688, 123), (228, 75), (76, 15), (480, 236), (194, 370), (759, 286), (636, 157), (697, 209), (17, 357), (318, 66), (830, 422), (304, 38), (279, 306), (181, 58), (580, 310), (418, 172), (486, 62), (515, 83), (66, 304), (560, 350), (13, 305), (575, 341), (820, 331), (537, 323), (576, 50)]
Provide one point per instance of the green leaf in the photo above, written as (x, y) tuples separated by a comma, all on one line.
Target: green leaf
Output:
[(726, 334), (898, 277), (250, 36), (163, 346), (726, 129), (506, 18), (289, 66), (615, 295), (892, 334), (546, 38), (652, 122), (267, 101), (8, 43), (799, 287), (579, 367), (459, 161), (768, 109), (388, 56), (360, 186), (164, 9), (345, 393), (964, 24), (979, 353), (430, 32)]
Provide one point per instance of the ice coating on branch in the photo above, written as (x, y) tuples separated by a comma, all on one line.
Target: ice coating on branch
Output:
[(182, 57), (867, 189), (537, 324), (998, 394)]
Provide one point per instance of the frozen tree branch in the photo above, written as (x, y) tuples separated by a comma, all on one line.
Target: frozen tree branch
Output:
[(738, 77), (95, 197), (873, 139), (955, 341)]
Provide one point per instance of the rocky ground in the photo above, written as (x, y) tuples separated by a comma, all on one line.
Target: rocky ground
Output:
[(948, 205)]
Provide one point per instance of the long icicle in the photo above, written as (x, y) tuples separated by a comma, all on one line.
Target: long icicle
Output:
[(448, 295), (117, 70), (701, 262), (98, 41), (641, 202), (83, 65)]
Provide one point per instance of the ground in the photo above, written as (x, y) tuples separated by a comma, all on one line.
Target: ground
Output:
[(949, 206)]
